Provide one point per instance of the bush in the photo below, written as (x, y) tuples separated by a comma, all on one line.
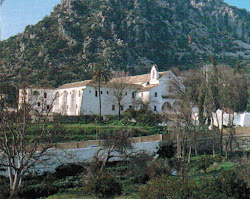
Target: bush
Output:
[(137, 168), (227, 184), (158, 167), (204, 161), (169, 187), (166, 149), (68, 170), (224, 186), (4, 187), (104, 186), (142, 116)]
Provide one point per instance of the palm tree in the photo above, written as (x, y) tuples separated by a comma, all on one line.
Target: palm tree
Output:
[(100, 75)]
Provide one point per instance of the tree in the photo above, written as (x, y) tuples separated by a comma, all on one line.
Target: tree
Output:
[(181, 115), (100, 75), (119, 84), (115, 144), (22, 142)]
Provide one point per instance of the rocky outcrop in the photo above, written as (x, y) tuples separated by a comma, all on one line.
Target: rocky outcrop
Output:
[(127, 34)]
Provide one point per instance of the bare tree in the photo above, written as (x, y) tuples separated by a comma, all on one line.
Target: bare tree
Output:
[(21, 148), (220, 88), (115, 144), (120, 85)]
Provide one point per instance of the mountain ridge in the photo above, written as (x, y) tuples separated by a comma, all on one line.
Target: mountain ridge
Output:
[(126, 34)]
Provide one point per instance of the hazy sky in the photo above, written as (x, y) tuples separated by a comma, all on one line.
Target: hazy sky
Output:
[(17, 14)]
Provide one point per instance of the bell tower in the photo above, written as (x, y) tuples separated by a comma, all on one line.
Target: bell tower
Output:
[(154, 73)]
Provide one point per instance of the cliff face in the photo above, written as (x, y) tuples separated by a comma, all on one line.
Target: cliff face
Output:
[(126, 34)]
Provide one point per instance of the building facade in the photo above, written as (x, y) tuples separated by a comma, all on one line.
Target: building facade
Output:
[(154, 90)]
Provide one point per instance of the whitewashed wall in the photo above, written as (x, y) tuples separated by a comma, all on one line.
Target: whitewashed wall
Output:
[(90, 101), (69, 101), (42, 100), (240, 119)]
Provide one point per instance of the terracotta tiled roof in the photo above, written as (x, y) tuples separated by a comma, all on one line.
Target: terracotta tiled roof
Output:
[(132, 82), (40, 87), (75, 84), (112, 85), (139, 79), (148, 88)]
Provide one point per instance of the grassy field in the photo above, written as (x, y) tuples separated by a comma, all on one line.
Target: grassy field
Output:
[(83, 132)]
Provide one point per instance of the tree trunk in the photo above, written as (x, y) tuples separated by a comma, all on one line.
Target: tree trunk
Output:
[(178, 145), (16, 183), (221, 135), (100, 101), (189, 154), (119, 108)]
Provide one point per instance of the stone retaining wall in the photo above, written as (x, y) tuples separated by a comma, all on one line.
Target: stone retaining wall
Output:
[(241, 141), (84, 144)]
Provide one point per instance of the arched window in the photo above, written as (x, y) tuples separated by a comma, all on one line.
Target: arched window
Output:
[(56, 98), (64, 103), (73, 101), (176, 105), (166, 107), (36, 93)]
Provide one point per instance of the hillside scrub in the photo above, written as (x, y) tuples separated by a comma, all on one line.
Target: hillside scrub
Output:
[(129, 35), (140, 177)]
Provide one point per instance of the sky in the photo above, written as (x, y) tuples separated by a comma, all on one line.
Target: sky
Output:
[(17, 14)]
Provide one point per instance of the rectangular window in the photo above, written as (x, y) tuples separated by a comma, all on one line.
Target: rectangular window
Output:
[(113, 107), (155, 108), (38, 104), (133, 95), (126, 93), (155, 94), (96, 93), (48, 107), (45, 95), (101, 92), (170, 89), (107, 92), (121, 107), (89, 91)]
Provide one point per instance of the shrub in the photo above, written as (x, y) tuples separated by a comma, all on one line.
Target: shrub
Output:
[(243, 169), (104, 186), (137, 168), (4, 188), (169, 187), (157, 168), (68, 170), (142, 116), (166, 149), (204, 161), (227, 184)]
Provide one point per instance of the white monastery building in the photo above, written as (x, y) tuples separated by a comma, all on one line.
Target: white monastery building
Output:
[(82, 98)]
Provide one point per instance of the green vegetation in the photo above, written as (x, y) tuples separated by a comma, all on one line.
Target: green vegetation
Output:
[(142, 176), (222, 180), (81, 132)]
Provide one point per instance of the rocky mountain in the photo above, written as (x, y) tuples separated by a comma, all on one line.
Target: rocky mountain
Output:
[(125, 34)]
